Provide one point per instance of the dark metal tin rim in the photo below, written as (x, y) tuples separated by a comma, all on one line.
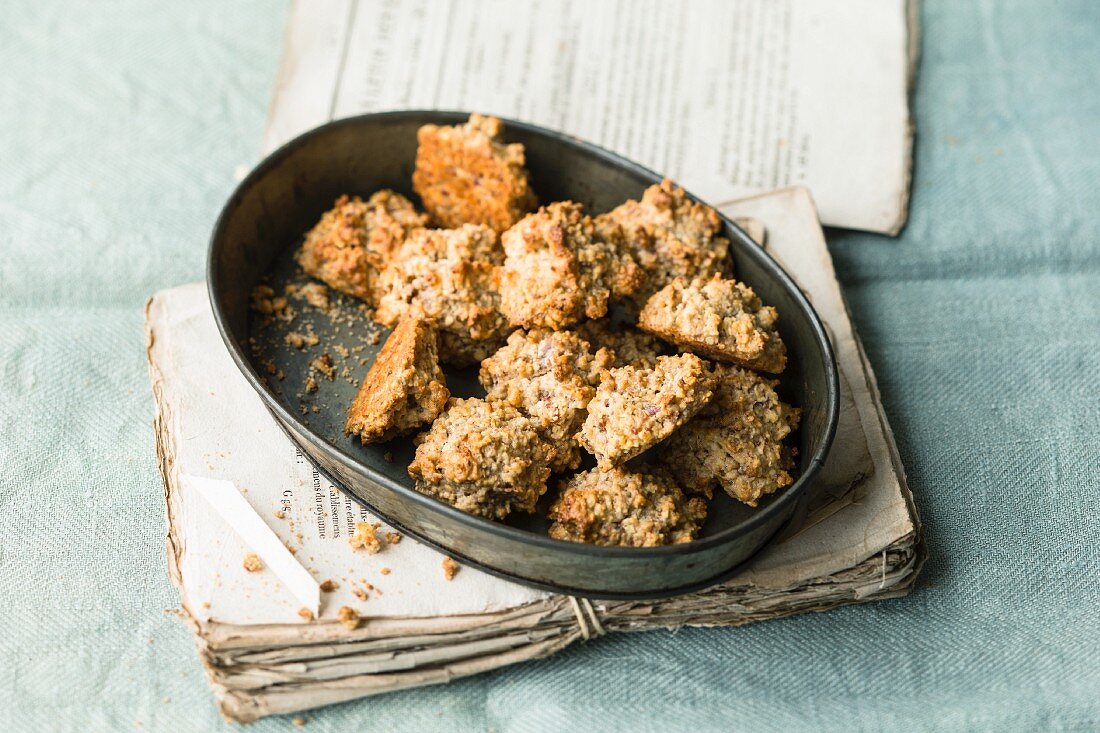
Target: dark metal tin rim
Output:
[(783, 502)]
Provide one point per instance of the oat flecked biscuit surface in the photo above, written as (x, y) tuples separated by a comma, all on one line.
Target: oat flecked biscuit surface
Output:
[(671, 236), (465, 174), (404, 389), (630, 346), (355, 238), (549, 376), (636, 408), (482, 457), (560, 268), (719, 318), (620, 507), (737, 440), (450, 276)]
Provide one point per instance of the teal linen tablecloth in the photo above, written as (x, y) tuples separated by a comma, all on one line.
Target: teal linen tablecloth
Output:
[(121, 124)]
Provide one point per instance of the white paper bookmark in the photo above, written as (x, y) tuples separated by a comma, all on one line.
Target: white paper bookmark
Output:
[(228, 502)]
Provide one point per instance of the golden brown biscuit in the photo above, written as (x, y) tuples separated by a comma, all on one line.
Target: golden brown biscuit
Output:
[(630, 346), (404, 389), (466, 175), (549, 376), (449, 276), (619, 507), (560, 268), (484, 458), (636, 408), (355, 238), (670, 236), (719, 318), (737, 440)]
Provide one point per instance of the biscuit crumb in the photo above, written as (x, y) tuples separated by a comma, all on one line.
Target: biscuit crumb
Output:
[(385, 571), (329, 585), (252, 563), (450, 568), (311, 384), (360, 593), (305, 613), (323, 364), (365, 539), (280, 514), (315, 294), (393, 537), (299, 722), (349, 617), (296, 340)]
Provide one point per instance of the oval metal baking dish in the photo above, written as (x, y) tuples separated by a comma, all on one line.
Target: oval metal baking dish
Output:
[(264, 221)]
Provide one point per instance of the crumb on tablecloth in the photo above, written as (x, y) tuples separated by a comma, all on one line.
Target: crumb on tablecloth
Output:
[(252, 563)]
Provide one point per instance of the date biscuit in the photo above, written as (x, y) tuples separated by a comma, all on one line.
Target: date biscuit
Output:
[(450, 276), (484, 458), (404, 389), (719, 318), (465, 174), (355, 239), (549, 376), (619, 507), (671, 236), (560, 268), (737, 441), (629, 346), (636, 408)]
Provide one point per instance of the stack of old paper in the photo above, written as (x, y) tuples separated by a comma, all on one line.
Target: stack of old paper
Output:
[(272, 640), (731, 98)]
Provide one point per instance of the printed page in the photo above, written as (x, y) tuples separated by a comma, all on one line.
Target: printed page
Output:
[(728, 97), (212, 425)]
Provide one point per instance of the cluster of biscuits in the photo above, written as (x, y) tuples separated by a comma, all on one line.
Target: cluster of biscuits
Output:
[(670, 402)]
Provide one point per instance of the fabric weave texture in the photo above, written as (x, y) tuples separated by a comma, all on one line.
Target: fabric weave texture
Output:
[(122, 125)]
